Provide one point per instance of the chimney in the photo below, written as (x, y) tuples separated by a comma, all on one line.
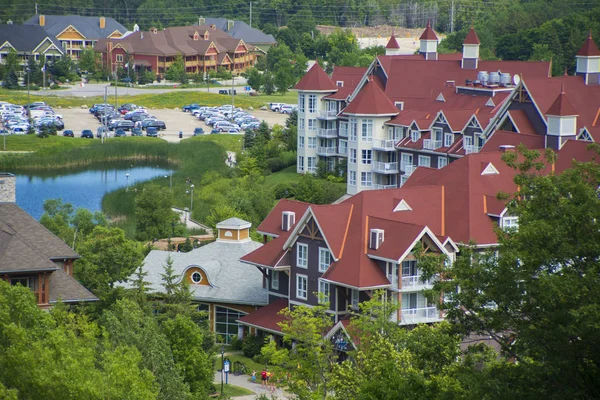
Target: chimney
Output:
[(102, 22), (42, 20), (470, 55), (375, 238), (8, 188), (201, 21), (288, 219), (230, 24)]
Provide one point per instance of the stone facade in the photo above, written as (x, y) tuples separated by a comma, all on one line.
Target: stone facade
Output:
[(8, 188)]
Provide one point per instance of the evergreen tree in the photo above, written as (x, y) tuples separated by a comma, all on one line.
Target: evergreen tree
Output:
[(11, 80)]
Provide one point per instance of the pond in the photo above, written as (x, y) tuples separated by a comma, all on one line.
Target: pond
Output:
[(82, 188)]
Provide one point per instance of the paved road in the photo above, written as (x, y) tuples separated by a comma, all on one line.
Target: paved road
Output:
[(97, 89), (243, 381)]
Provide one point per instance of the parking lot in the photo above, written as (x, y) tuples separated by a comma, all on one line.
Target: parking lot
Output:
[(177, 121)]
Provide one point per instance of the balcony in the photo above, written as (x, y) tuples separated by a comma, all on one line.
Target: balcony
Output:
[(327, 133), (327, 114), (407, 168), (384, 145), (385, 167), (414, 283), (378, 186), (411, 316), (327, 151), (430, 144), (470, 148), (343, 151), (343, 132)]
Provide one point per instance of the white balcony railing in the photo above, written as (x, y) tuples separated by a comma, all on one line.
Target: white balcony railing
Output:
[(470, 148), (327, 114), (385, 167), (343, 132), (412, 283), (327, 132), (418, 315), (387, 145), (407, 168), (378, 186), (327, 151), (430, 144)]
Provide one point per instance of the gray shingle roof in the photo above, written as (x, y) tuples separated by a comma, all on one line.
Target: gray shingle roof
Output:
[(66, 289), (25, 38), (230, 280), (241, 30), (87, 26)]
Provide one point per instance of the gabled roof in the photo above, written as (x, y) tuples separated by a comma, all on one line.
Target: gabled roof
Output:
[(428, 34), (504, 138), (89, 27), (241, 30), (471, 37), (26, 38), (392, 43), (66, 289), (316, 80), (589, 48), (371, 101), (349, 77)]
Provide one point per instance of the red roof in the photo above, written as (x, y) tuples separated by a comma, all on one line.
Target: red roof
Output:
[(522, 121), (316, 80), (392, 43), (267, 317), (428, 34), (371, 101), (350, 78), (561, 106), (504, 138), (471, 37), (589, 48)]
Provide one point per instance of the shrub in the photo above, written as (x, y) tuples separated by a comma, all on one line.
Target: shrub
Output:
[(252, 345), (275, 164), (289, 158), (236, 344), (284, 191)]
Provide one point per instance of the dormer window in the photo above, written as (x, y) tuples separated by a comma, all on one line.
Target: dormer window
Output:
[(339, 83), (154, 30), (288, 219), (375, 238), (196, 36), (206, 36)]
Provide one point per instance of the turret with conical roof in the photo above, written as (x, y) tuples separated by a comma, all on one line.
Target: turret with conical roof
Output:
[(392, 48), (562, 121), (428, 43), (470, 57), (588, 62)]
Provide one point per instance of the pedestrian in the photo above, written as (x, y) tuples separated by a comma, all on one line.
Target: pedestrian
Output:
[(263, 378), (253, 376), (272, 381), (268, 379)]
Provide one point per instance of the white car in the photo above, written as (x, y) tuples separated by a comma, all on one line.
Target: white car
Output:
[(287, 108)]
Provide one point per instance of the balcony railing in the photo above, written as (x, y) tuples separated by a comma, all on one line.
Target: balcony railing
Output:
[(407, 168), (430, 144), (343, 132), (327, 114), (470, 148), (327, 132), (327, 151), (378, 186), (418, 315), (386, 145), (411, 283), (385, 167)]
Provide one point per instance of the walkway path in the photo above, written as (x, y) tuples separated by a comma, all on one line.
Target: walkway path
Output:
[(243, 381), (231, 161)]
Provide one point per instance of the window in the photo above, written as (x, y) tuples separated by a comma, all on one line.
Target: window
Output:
[(448, 139), (343, 129), (312, 164), (366, 179), (354, 299), (409, 302), (226, 325), (414, 135), (324, 259), (352, 156), (204, 310), (352, 178), (312, 124), (324, 292), (367, 130), (343, 149), (119, 57), (409, 268), (301, 124), (196, 277), (301, 286), (353, 129), (300, 163), (367, 156), (424, 161), (302, 255), (510, 223), (301, 103), (312, 142), (392, 274), (275, 280), (300, 142), (312, 103), (442, 162), (24, 281)]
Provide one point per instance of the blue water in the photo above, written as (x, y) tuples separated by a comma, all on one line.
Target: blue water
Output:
[(81, 189)]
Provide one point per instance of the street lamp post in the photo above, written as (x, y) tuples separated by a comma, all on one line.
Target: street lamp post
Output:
[(170, 176), (232, 95), (222, 367), (191, 199), (127, 188)]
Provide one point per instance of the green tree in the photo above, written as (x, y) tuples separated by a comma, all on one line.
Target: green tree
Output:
[(284, 77), (34, 72), (176, 71), (71, 226), (254, 78), (153, 214), (11, 80), (62, 68), (269, 83), (89, 61)]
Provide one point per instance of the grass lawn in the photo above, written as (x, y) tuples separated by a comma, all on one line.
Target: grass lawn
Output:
[(248, 362), (235, 391), (287, 175), (34, 143)]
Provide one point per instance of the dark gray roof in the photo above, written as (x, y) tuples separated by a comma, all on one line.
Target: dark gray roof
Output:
[(33, 234), (87, 26), (17, 254), (241, 30), (25, 38), (230, 280), (66, 289)]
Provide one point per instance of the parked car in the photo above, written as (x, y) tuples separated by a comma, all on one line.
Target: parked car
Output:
[(190, 107), (275, 106), (124, 124), (198, 131), (156, 124), (102, 130), (120, 133), (136, 132), (214, 131), (151, 131), (88, 134), (287, 108), (68, 132)]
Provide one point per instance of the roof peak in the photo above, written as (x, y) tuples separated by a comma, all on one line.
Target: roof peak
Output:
[(471, 37), (428, 34), (316, 80), (589, 48), (392, 43), (562, 107)]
